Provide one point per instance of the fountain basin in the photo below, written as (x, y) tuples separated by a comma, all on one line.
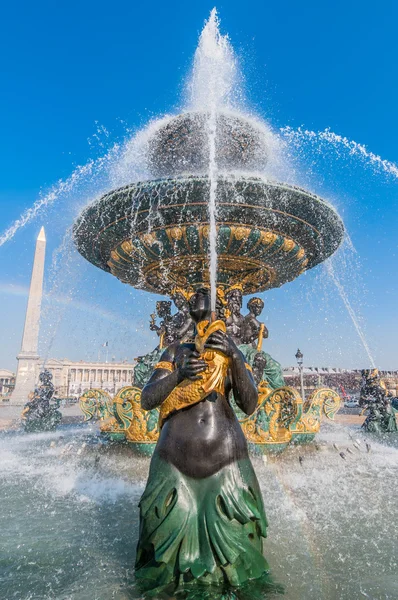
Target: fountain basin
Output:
[(154, 235)]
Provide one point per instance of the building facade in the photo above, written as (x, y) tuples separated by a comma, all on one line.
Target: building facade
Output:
[(7, 383), (72, 379)]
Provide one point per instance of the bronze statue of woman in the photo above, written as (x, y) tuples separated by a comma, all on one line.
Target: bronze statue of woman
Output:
[(202, 518)]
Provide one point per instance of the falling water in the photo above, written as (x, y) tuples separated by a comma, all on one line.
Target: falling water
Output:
[(46, 478), (63, 187), (318, 138), (212, 82), (343, 295), (88, 181)]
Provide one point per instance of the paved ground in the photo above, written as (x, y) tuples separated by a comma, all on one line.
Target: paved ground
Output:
[(345, 419)]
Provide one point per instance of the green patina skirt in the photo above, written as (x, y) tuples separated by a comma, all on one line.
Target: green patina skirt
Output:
[(200, 530)]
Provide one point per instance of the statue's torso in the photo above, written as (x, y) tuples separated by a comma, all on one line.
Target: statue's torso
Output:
[(234, 325), (251, 329), (202, 439)]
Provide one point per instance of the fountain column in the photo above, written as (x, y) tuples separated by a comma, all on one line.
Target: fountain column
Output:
[(28, 357)]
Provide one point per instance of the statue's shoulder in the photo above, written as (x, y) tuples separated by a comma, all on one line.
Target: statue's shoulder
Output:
[(169, 353), (171, 350), (250, 320)]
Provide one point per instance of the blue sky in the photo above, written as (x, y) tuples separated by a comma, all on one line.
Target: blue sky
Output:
[(70, 69)]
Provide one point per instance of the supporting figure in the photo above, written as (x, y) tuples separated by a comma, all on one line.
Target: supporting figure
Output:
[(202, 518), (41, 412), (253, 330), (235, 319)]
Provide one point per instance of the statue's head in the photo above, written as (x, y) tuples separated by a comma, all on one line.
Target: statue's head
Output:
[(163, 308), (200, 305), (255, 306), (234, 300)]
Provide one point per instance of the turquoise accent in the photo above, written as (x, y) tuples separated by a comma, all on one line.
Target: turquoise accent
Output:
[(205, 530), (272, 373)]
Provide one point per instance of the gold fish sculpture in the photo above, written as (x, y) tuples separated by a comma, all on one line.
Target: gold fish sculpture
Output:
[(190, 392)]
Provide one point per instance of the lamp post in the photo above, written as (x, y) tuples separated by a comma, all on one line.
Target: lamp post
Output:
[(299, 357), (68, 384)]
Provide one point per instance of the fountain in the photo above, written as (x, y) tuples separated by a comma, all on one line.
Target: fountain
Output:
[(268, 232), (206, 229), (208, 217), (69, 521)]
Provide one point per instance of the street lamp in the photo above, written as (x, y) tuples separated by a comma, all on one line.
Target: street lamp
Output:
[(299, 357), (68, 384)]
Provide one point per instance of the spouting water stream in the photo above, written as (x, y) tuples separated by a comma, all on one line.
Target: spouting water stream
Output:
[(46, 478), (212, 208), (331, 140), (211, 84)]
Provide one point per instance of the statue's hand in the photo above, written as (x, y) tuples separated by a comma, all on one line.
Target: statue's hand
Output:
[(190, 365), (221, 342)]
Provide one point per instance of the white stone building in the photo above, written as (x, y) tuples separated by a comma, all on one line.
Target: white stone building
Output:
[(7, 382), (74, 378)]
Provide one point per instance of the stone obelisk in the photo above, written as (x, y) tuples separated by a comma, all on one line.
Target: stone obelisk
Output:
[(28, 358)]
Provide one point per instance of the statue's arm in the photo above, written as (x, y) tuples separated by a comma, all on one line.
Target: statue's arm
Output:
[(154, 327), (187, 365), (243, 384), (161, 383)]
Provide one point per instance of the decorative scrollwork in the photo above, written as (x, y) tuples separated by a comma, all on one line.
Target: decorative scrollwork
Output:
[(143, 426), (123, 407), (96, 404), (277, 409), (280, 415), (323, 400)]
